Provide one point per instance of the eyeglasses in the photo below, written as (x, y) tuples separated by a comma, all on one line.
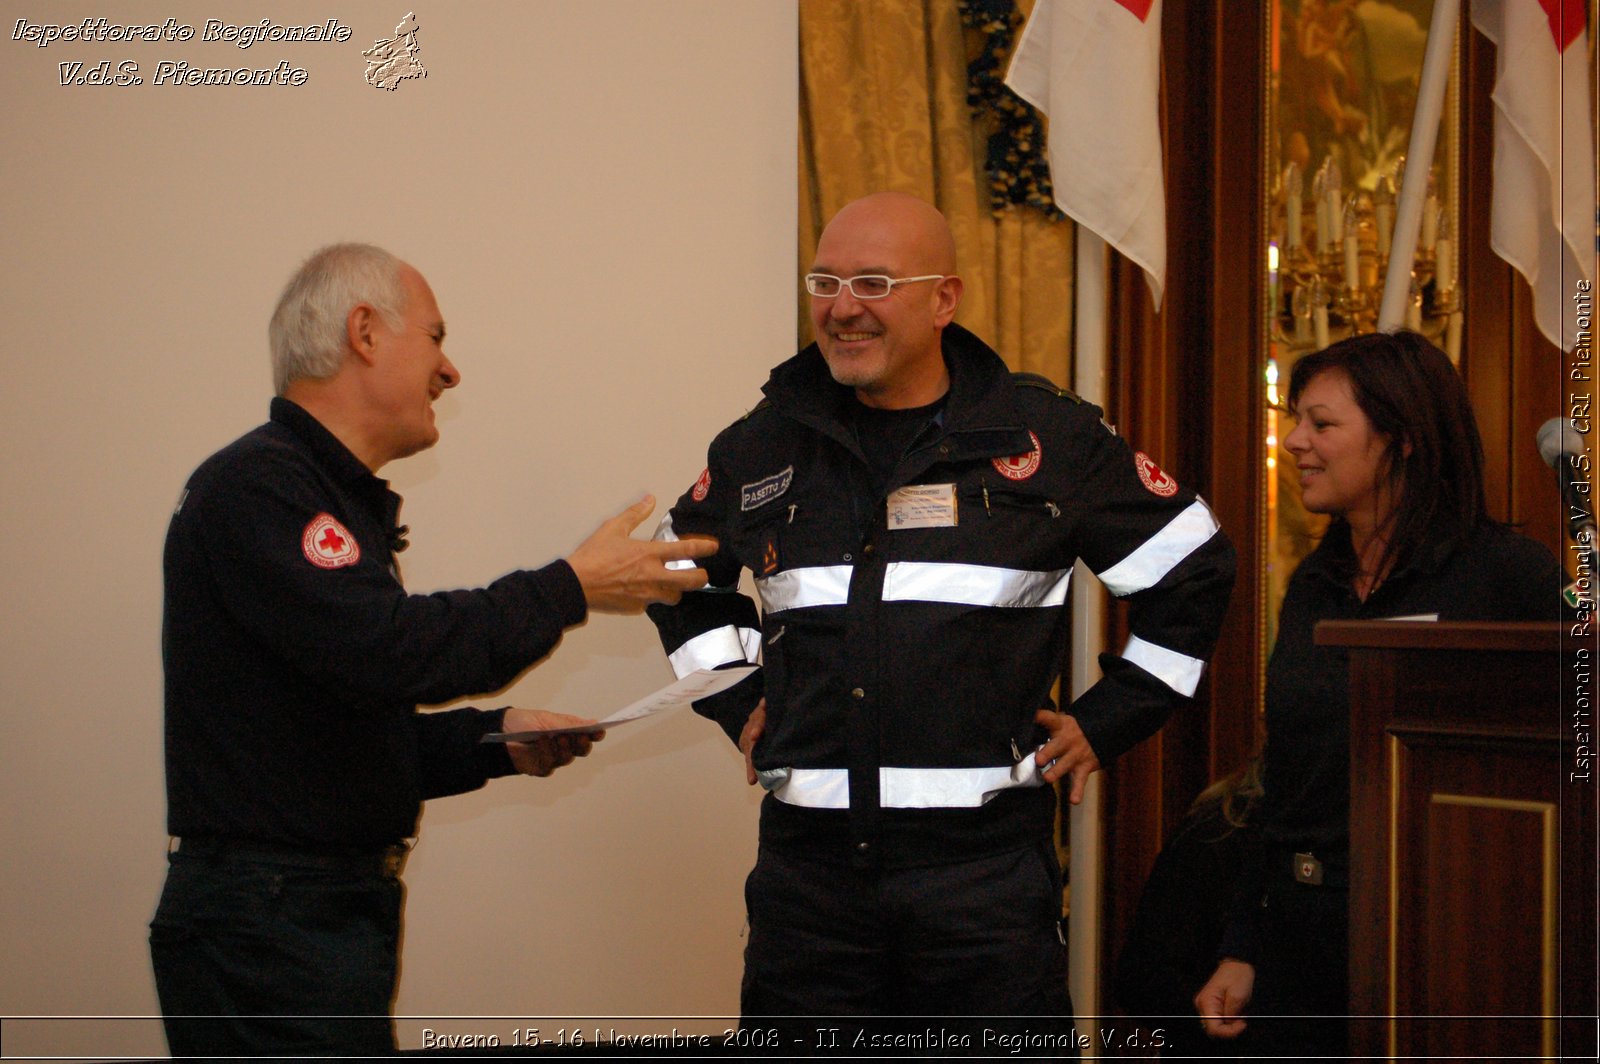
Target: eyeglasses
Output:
[(866, 286)]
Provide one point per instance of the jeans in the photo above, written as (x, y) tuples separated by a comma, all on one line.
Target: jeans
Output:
[(257, 957)]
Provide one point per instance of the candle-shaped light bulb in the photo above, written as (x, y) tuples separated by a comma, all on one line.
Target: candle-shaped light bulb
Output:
[(1383, 214), (1414, 307), (1319, 314), (1319, 196), (1444, 269), (1430, 222), (1293, 190), (1352, 251), (1272, 277), (1452, 338), (1335, 193)]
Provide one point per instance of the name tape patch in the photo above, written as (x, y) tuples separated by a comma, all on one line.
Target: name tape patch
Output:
[(765, 490)]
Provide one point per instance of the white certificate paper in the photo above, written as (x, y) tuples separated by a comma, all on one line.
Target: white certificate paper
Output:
[(691, 688)]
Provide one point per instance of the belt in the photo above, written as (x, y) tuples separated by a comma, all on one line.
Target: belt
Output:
[(387, 862), (1308, 870)]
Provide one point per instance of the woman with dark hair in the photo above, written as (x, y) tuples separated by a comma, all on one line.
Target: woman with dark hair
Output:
[(1386, 444)]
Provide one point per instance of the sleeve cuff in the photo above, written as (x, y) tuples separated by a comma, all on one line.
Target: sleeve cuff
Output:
[(566, 594), (732, 708), (493, 758)]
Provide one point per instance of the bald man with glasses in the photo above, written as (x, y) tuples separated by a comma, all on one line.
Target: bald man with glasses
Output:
[(911, 511)]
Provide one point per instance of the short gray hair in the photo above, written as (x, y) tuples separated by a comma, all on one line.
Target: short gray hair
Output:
[(307, 332)]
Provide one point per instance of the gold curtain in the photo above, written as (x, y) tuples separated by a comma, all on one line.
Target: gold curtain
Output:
[(883, 106)]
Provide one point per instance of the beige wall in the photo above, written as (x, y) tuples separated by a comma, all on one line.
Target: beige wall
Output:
[(602, 195)]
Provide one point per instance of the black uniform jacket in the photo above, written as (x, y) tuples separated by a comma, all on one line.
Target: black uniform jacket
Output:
[(909, 635), (295, 660)]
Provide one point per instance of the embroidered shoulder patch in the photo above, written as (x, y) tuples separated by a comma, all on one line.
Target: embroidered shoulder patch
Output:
[(702, 487), (328, 544), (1021, 466), (1158, 482)]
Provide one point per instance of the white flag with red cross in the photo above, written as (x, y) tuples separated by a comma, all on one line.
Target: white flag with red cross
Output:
[(1093, 68), (1542, 215)]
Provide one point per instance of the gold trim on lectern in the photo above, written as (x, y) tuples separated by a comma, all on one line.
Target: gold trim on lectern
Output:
[(1547, 950)]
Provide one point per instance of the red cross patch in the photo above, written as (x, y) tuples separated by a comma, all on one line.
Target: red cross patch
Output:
[(1154, 479), (1021, 466), (702, 487), (328, 544)]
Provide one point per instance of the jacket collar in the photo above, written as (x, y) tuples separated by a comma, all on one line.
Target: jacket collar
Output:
[(335, 458), (331, 454), (980, 417), (1334, 559)]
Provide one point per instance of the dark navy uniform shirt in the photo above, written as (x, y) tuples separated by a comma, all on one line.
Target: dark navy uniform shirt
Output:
[(1493, 574), (295, 660)]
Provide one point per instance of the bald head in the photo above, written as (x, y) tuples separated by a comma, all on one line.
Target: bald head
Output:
[(911, 228), (888, 349)]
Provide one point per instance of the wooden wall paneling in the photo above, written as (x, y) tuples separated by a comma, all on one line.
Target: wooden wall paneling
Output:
[(1185, 390), (1237, 387), (1133, 793), (1487, 345)]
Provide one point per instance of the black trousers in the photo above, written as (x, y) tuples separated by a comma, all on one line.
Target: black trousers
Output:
[(1301, 1003), (947, 959), (259, 957)]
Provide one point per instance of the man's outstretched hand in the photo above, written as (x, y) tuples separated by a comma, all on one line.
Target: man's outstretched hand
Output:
[(621, 574)]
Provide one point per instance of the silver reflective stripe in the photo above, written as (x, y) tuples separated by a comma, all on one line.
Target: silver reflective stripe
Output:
[(815, 788), (1178, 671), (974, 585), (909, 788), (967, 585), (665, 534), (719, 646), (1158, 555), (796, 589)]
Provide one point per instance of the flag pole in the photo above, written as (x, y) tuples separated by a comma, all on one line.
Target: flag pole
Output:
[(1090, 342), (1419, 159)]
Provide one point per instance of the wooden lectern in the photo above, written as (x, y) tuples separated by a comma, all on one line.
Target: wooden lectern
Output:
[(1472, 839)]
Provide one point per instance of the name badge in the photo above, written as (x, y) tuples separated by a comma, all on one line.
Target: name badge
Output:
[(923, 506)]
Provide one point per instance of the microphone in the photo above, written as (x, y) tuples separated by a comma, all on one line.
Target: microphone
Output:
[(1562, 448)]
